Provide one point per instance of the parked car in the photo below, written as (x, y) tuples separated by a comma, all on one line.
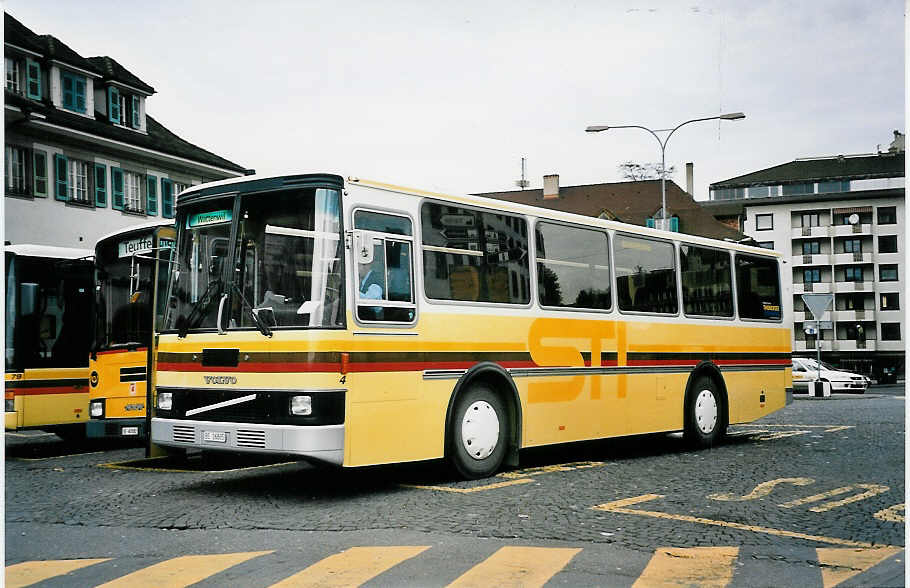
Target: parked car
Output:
[(806, 370)]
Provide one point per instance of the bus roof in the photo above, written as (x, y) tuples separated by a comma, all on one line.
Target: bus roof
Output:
[(503, 205), (137, 228), (28, 250)]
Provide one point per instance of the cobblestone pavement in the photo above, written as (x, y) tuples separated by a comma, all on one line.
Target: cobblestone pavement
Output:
[(818, 475)]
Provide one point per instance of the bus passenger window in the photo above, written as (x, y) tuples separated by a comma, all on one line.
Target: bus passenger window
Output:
[(707, 281), (573, 267), (757, 287), (645, 275)]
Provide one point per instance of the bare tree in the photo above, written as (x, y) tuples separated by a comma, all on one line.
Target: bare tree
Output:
[(637, 172)]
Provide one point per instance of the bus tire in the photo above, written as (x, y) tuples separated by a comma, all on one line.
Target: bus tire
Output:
[(705, 417), (480, 433)]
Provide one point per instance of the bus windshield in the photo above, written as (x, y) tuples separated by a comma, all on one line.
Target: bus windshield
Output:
[(124, 291), (286, 269), (48, 319)]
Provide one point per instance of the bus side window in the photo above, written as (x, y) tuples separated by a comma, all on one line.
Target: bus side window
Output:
[(385, 291)]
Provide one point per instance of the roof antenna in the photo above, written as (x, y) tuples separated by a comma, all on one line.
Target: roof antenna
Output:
[(523, 182)]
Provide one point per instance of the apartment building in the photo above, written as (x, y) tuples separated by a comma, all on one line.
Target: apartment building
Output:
[(839, 222), (83, 157)]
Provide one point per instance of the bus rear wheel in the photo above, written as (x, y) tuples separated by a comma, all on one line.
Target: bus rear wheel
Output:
[(479, 432), (705, 419)]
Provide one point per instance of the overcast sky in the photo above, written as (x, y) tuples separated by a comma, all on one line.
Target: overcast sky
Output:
[(451, 95)]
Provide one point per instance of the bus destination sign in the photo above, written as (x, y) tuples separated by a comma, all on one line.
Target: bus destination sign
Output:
[(208, 218), (134, 246)]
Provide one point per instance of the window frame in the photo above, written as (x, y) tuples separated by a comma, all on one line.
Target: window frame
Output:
[(140, 197), (677, 291), (888, 239), (529, 239), (888, 266), (851, 270), (808, 270), (881, 296), (71, 187), (780, 289), (811, 216), (355, 274), (878, 215), (13, 69), (770, 216), (24, 165), (682, 291), (818, 247), (900, 335), (535, 288)]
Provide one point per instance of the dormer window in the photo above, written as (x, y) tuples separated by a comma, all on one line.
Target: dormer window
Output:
[(13, 76), (123, 108), (23, 77), (73, 91)]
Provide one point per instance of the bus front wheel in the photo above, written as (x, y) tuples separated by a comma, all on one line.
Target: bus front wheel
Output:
[(479, 432), (705, 422)]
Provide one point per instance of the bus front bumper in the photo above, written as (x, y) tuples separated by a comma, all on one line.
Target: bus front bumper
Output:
[(115, 428), (323, 443)]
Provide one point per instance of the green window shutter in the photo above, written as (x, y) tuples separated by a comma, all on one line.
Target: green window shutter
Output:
[(674, 224), (116, 188), (167, 198), (33, 79), (61, 191), (100, 185), (113, 104), (39, 170), (69, 99), (79, 86), (136, 119), (649, 222), (151, 207)]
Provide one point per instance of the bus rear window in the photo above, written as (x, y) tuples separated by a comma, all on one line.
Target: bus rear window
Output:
[(757, 288)]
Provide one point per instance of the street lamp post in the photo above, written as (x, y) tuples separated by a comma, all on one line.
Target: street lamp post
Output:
[(663, 148)]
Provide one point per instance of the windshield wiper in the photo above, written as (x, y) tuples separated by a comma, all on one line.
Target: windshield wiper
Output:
[(198, 311), (260, 323)]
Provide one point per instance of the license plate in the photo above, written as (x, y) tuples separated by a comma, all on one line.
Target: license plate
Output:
[(214, 436), (129, 431)]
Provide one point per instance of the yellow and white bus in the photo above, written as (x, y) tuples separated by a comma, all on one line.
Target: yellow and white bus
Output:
[(48, 310), (361, 323), (128, 266)]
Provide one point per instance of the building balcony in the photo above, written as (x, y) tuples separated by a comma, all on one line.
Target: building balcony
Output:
[(852, 316), (851, 345), (850, 230), (803, 345), (815, 259), (847, 258), (809, 232), (803, 287), (848, 287)]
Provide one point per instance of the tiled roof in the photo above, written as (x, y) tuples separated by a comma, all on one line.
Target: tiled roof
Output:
[(883, 165), (158, 138), (113, 71), (16, 33), (56, 49), (631, 202)]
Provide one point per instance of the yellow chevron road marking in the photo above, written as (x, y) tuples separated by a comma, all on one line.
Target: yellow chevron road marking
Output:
[(871, 490), (32, 572), (469, 490), (892, 513), (352, 567), (517, 566), (182, 571), (705, 567), (761, 490), (619, 506), (842, 564)]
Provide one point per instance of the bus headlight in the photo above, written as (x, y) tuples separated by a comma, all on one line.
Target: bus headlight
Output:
[(165, 400), (301, 405), (96, 409)]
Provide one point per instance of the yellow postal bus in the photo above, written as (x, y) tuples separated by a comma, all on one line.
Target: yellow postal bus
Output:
[(128, 265), (360, 323), (48, 310)]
